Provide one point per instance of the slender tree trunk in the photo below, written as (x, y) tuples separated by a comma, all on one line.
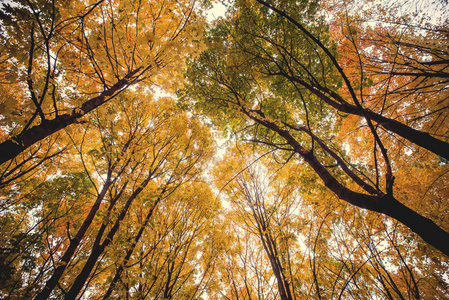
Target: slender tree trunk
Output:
[(74, 243), (130, 251), (98, 248), (276, 267)]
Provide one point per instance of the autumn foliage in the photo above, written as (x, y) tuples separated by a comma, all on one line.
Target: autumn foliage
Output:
[(286, 150)]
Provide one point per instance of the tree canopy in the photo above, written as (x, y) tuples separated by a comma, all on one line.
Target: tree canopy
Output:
[(285, 150)]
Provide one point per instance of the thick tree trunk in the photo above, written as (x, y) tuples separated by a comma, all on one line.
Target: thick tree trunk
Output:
[(420, 138), (12, 147), (382, 203), (388, 205)]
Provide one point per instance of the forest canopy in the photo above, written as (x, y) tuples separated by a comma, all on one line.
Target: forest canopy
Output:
[(284, 150)]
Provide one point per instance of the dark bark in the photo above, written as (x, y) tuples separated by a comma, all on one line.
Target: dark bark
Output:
[(53, 281), (419, 74), (99, 248), (130, 251), (420, 138), (17, 144), (385, 204)]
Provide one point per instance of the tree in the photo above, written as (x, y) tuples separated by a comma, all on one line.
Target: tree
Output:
[(276, 81), (335, 116), (166, 263), (263, 208), (288, 232), (151, 151), (76, 57), (69, 191), (30, 240)]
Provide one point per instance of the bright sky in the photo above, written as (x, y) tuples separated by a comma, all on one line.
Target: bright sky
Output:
[(218, 10)]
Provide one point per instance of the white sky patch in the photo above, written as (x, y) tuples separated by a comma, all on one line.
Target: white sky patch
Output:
[(218, 10)]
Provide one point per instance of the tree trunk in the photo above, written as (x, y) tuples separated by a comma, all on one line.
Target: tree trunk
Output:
[(388, 205), (420, 138), (130, 251), (98, 248), (53, 281), (17, 144), (382, 203)]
